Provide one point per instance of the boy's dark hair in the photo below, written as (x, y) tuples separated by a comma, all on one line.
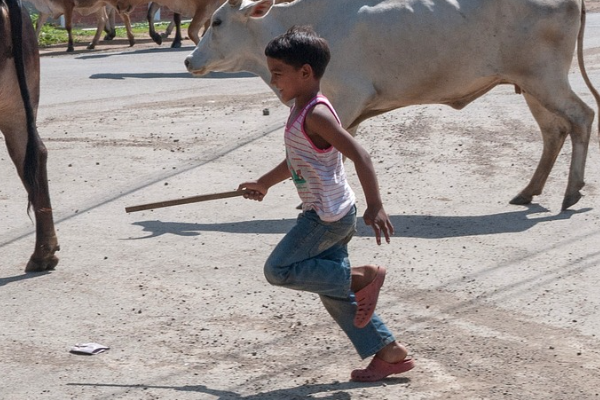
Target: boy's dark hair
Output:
[(298, 46)]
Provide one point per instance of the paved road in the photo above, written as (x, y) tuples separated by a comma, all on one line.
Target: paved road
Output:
[(494, 301)]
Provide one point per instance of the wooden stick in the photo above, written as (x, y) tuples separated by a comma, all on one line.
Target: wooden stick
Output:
[(185, 200)]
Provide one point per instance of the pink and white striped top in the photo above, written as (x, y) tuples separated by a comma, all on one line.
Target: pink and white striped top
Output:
[(318, 174)]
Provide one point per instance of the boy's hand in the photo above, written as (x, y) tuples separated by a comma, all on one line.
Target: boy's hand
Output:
[(377, 218), (255, 191)]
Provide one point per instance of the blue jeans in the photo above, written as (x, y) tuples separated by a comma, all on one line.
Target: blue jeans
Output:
[(313, 256)]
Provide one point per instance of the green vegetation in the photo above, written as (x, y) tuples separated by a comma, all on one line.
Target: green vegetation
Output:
[(52, 34)]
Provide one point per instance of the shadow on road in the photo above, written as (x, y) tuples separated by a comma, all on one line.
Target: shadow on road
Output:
[(179, 75), (408, 226), (17, 278), (334, 391)]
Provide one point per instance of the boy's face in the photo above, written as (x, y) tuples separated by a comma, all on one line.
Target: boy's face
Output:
[(288, 80)]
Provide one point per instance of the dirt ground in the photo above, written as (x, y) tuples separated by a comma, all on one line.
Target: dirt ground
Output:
[(493, 301)]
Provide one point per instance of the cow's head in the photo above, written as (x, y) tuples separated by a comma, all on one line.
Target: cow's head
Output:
[(234, 40)]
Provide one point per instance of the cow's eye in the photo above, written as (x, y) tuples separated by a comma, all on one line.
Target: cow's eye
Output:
[(217, 22)]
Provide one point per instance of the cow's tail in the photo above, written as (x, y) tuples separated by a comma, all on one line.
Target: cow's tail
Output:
[(586, 78), (31, 162)]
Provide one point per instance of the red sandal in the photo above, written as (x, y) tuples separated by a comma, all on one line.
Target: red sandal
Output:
[(366, 299), (379, 369)]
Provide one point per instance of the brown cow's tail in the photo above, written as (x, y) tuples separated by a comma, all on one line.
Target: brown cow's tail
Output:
[(586, 78), (32, 152)]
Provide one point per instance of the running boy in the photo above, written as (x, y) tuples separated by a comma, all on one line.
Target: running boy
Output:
[(313, 256)]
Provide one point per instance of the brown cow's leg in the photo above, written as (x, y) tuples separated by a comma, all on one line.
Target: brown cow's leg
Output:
[(101, 19), (69, 26), (154, 7), (109, 27), (46, 243), (127, 22), (197, 22), (40, 23), (177, 39)]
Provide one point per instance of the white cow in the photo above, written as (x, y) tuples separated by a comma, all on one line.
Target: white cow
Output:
[(388, 54)]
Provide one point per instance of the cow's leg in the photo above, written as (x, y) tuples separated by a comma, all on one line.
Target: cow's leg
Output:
[(559, 114), (171, 25), (197, 22), (40, 23), (110, 26), (46, 243), (150, 17), (127, 22), (101, 18), (177, 39), (554, 132), (69, 26)]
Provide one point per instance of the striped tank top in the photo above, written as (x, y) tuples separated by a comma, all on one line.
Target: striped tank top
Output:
[(318, 174)]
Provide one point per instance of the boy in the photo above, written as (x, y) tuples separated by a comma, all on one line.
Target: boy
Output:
[(313, 256)]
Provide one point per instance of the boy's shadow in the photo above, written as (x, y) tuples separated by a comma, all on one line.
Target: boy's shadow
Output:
[(334, 391), (410, 226)]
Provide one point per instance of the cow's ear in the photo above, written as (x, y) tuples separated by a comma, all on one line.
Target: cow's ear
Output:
[(259, 9)]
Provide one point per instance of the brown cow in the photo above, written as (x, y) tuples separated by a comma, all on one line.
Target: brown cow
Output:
[(56, 8), (19, 98), (199, 10)]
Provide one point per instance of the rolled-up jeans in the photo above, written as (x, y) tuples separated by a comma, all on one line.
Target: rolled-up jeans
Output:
[(313, 257)]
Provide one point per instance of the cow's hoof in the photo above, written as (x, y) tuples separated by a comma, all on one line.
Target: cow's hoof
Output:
[(520, 200), (176, 45), (157, 38), (70, 49), (41, 265), (91, 46), (569, 201)]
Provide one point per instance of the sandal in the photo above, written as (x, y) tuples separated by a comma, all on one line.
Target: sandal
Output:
[(379, 369), (366, 299)]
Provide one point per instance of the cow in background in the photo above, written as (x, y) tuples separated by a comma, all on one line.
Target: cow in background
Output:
[(388, 54), (56, 8), (199, 10), (19, 98)]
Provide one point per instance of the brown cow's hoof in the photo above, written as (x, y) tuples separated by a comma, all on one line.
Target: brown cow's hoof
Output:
[(156, 38), (41, 265), (520, 200), (91, 46), (571, 200)]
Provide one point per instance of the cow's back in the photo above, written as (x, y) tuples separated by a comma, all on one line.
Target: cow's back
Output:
[(424, 43)]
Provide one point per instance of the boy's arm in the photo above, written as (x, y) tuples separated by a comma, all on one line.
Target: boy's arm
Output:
[(320, 121), (258, 189)]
